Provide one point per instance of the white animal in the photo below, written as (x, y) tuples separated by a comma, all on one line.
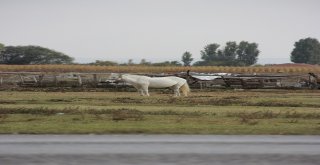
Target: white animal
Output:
[(142, 83)]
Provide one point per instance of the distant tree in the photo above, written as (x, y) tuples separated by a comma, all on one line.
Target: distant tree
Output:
[(175, 63), (144, 62), (227, 56), (232, 54), (168, 63), (130, 62), (186, 58), (210, 52), (104, 63), (247, 53), (230, 49), (33, 55), (306, 51)]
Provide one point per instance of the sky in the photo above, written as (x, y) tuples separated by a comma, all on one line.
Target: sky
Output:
[(157, 30)]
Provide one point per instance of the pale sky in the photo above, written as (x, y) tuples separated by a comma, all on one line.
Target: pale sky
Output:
[(157, 30)]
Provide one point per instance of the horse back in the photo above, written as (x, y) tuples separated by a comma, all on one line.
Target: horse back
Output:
[(160, 82)]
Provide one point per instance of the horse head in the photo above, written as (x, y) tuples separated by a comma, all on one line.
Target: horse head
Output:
[(123, 77)]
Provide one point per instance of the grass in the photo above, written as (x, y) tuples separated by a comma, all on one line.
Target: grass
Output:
[(215, 112)]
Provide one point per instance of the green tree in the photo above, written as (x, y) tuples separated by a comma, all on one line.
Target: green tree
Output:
[(232, 54), (187, 58), (104, 63), (306, 51), (168, 63), (175, 63), (247, 53), (229, 50), (33, 55), (209, 55), (227, 56), (210, 52), (130, 62), (144, 62)]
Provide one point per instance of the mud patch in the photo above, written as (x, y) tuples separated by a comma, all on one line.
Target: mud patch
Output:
[(7, 102), (226, 102), (279, 104), (127, 100), (59, 100), (127, 114)]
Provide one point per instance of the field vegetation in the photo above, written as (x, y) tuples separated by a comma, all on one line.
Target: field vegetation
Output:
[(159, 69), (214, 112)]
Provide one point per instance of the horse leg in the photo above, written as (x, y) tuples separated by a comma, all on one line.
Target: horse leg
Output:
[(176, 91), (145, 90), (140, 90)]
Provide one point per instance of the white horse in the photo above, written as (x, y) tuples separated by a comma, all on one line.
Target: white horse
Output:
[(142, 83)]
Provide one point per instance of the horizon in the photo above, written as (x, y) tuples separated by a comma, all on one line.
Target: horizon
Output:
[(157, 30)]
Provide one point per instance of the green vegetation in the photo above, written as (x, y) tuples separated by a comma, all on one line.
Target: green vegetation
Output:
[(306, 51), (204, 112), (23, 55), (186, 59), (233, 54)]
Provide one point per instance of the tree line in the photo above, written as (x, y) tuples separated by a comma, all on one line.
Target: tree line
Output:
[(244, 53), (24, 55)]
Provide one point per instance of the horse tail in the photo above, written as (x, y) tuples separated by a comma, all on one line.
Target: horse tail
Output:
[(185, 89)]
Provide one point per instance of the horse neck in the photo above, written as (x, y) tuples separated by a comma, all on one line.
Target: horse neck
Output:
[(131, 78), (127, 79)]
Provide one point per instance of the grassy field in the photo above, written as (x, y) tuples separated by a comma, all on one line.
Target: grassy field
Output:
[(214, 112)]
